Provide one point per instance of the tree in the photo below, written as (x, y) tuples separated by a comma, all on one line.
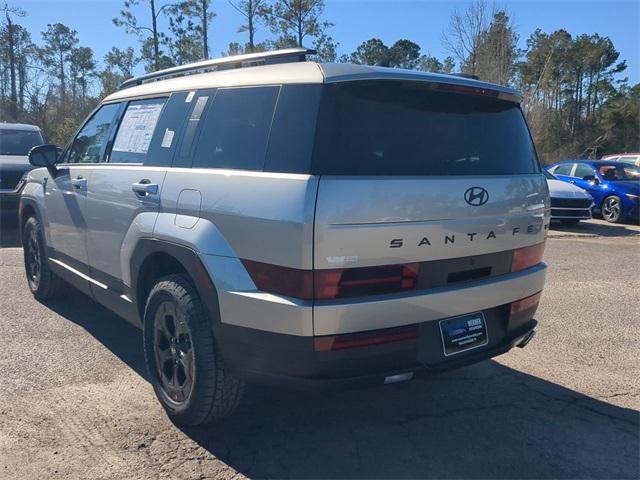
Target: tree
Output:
[(404, 54), (295, 20), (253, 12), (185, 41), (59, 40), (83, 67), (432, 64), (196, 15), (119, 65), (497, 51), (150, 36), (11, 39), (370, 52), (465, 33)]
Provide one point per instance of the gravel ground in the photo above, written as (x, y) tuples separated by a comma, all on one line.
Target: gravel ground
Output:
[(75, 402)]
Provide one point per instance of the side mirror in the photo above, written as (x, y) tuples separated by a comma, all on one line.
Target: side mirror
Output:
[(44, 156), (592, 179)]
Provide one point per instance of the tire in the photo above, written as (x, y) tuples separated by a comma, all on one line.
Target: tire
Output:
[(612, 209), (569, 222), (185, 366), (43, 283)]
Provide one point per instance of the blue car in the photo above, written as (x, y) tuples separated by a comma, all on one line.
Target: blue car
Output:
[(614, 186)]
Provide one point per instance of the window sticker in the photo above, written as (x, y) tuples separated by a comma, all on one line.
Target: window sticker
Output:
[(190, 97), (136, 129), (168, 138)]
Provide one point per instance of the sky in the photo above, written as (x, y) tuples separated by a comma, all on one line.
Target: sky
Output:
[(422, 21)]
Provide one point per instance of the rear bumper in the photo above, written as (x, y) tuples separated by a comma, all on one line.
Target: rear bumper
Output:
[(288, 360)]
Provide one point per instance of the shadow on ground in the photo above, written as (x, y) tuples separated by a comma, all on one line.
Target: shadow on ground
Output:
[(484, 421), (596, 228)]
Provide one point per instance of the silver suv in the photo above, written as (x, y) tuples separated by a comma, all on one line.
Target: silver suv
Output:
[(267, 217)]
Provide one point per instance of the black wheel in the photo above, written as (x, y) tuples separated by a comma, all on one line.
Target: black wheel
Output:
[(188, 373), (612, 209), (569, 222), (43, 283)]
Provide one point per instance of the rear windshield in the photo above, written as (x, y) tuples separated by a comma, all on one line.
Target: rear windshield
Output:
[(18, 142), (408, 128)]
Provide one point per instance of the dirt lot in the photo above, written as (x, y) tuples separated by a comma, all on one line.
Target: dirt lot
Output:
[(76, 402)]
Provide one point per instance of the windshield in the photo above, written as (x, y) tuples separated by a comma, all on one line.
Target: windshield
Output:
[(409, 128), (18, 142), (549, 175), (613, 173)]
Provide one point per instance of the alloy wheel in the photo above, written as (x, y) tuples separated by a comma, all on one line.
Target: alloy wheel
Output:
[(611, 209), (173, 351), (34, 259)]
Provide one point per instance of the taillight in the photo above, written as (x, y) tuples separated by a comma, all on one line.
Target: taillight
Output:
[(332, 283), (527, 257), (290, 282), (526, 303), (355, 282), (365, 339)]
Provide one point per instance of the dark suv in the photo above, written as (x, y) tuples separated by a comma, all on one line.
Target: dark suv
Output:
[(16, 140)]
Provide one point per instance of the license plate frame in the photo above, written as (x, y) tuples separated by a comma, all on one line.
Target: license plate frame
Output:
[(463, 333)]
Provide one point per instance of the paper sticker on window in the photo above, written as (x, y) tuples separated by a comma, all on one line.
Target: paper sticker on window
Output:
[(137, 126), (168, 138), (189, 97)]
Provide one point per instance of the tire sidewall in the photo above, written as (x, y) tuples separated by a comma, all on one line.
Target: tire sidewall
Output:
[(201, 340), (30, 225)]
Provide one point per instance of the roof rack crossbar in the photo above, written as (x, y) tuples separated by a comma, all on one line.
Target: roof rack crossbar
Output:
[(224, 63)]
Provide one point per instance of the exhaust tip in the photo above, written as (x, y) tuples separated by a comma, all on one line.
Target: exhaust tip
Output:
[(402, 377), (527, 339)]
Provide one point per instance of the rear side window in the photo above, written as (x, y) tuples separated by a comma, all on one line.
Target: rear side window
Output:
[(136, 130), (235, 130), (18, 142), (564, 169), (408, 128)]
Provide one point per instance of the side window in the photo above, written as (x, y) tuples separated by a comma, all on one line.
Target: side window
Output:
[(136, 130), (293, 131), (582, 170), (89, 144), (563, 169), (235, 130)]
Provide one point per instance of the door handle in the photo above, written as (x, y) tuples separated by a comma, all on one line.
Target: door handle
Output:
[(79, 183), (144, 188)]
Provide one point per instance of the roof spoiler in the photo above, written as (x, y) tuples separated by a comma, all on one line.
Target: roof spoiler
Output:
[(224, 63)]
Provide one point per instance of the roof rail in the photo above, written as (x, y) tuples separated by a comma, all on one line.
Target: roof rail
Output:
[(224, 63)]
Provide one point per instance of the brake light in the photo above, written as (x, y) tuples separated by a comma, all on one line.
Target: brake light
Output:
[(332, 283), (526, 303), (365, 339), (448, 87), (527, 257)]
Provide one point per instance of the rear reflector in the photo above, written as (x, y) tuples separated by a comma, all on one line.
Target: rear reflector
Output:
[(527, 257), (526, 303), (332, 283), (365, 339)]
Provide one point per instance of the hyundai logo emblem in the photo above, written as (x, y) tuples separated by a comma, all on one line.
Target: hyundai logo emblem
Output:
[(476, 196)]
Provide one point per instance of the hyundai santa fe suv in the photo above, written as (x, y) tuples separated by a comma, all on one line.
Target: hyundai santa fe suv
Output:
[(264, 217)]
